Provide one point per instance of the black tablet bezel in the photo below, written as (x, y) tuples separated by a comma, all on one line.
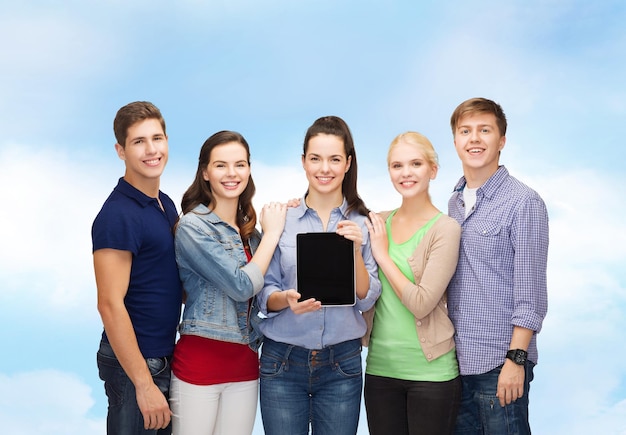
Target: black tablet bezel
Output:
[(325, 268)]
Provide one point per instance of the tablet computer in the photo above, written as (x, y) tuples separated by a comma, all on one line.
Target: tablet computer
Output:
[(325, 268)]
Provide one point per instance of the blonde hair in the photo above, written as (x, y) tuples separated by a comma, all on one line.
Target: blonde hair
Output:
[(420, 142)]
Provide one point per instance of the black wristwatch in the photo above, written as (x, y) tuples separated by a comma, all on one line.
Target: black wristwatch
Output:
[(518, 356)]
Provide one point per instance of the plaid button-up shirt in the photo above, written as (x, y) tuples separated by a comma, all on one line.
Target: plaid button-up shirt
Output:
[(500, 281)]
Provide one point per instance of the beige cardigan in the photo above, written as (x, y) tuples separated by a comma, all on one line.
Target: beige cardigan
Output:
[(433, 263)]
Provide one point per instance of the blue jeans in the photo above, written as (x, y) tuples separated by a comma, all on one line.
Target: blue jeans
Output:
[(124, 416), (481, 412), (301, 386)]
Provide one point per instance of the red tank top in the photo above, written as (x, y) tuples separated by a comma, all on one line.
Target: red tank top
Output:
[(204, 361)]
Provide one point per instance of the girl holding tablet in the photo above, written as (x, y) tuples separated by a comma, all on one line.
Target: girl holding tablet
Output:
[(311, 356)]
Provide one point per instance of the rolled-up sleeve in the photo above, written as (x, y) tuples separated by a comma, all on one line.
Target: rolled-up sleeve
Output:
[(272, 283), (529, 234), (374, 290)]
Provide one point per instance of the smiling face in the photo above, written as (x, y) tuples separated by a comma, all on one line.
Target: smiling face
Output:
[(478, 143), (228, 171), (325, 164), (409, 170), (144, 153)]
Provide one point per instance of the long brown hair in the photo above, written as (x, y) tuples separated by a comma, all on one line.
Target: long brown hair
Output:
[(338, 127), (200, 190)]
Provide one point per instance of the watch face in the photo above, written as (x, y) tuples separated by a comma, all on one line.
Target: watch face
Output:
[(518, 356)]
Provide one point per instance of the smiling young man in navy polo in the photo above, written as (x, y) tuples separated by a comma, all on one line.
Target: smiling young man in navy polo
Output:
[(139, 291)]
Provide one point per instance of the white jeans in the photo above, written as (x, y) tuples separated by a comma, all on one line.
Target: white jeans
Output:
[(222, 409)]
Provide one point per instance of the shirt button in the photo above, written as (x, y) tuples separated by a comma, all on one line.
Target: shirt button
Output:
[(418, 323), (429, 356), (422, 340)]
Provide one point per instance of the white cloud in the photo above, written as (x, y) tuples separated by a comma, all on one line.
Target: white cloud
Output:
[(47, 401), (581, 366), (45, 224), (591, 224), (609, 420)]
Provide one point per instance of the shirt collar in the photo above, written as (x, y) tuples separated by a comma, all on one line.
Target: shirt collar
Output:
[(491, 185), (301, 210), (203, 210), (127, 189)]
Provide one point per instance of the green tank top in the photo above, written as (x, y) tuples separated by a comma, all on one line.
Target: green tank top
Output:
[(394, 349)]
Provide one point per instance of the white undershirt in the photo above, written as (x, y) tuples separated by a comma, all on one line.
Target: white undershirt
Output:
[(469, 196)]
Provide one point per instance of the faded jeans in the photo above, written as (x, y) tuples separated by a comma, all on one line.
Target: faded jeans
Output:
[(481, 413), (301, 386), (124, 416)]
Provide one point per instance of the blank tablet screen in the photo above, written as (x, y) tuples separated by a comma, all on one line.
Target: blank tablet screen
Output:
[(325, 268)]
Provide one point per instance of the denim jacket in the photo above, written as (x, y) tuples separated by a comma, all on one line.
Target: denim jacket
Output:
[(217, 279)]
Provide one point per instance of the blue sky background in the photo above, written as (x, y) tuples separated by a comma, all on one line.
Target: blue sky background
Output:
[(268, 70)]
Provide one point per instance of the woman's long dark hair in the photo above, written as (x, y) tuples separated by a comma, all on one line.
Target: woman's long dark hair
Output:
[(200, 190), (338, 127)]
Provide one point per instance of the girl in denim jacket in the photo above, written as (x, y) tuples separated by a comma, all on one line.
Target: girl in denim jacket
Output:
[(222, 259)]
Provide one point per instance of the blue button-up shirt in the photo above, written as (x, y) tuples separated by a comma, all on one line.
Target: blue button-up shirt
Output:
[(327, 326), (500, 281)]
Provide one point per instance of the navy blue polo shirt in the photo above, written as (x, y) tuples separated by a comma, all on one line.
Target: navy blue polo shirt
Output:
[(132, 221)]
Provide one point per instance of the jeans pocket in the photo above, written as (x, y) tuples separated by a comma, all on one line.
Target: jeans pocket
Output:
[(270, 367), (114, 377), (107, 360), (161, 373), (350, 367), (157, 365)]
